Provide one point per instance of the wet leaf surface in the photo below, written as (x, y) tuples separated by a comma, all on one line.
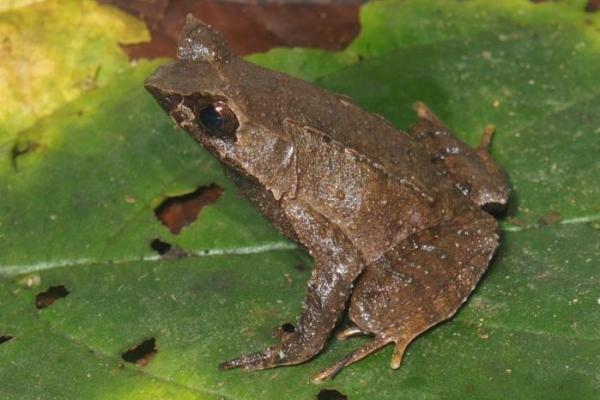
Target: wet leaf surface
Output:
[(78, 213)]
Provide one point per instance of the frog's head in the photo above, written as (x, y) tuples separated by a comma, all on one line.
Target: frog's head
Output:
[(203, 92), (196, 92)]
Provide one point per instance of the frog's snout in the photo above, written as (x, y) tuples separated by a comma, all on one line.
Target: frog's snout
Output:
[(155, 82), (169, 103)]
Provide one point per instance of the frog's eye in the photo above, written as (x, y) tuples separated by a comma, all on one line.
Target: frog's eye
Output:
[(218, 120)]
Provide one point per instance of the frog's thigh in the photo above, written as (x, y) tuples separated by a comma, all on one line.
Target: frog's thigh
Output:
[(426, 278), (473, 171), (422, 281)]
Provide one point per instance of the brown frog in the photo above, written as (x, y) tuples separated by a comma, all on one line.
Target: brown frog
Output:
[(394, 221)]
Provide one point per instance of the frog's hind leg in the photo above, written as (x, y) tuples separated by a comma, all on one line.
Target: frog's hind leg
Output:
[(401, 342), (392, 335), (420, 282), (473, 171)]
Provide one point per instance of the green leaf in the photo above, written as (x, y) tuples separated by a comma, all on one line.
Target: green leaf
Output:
[(77, 212), (44, 65), (307, 64), (87, 191), (531, 331)]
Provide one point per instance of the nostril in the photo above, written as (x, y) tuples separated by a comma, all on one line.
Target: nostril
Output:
[(166, 101), (181, 114), (177, 115)]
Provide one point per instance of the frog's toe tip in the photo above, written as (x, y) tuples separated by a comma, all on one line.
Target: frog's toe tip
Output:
[(331, 371), (326, 374), (398, 354), (396, 361), (421, 108), (318, 379)]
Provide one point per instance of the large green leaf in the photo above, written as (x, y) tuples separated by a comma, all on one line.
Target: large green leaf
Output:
[(52, 51), (77, 213)]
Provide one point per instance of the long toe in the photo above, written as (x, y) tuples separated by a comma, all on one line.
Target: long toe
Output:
[(369, 348), (332, 370), (249, 362)]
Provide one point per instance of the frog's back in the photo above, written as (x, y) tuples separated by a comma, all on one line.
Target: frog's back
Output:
[(353, 166), (277, 97), (375, 209)]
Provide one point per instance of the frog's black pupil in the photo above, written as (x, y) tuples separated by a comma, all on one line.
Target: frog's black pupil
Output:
[(211, 118)]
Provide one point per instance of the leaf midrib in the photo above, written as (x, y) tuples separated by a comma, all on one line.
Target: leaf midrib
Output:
[(11, 271), (15, 270)]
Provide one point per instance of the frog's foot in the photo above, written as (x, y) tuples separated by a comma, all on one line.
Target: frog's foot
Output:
[(401, 343), (295, 348), (371, 347), (349, 332), (473, 171), (259, 360)]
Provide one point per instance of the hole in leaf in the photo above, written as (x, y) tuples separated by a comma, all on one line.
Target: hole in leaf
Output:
[(288, 327), (180, 211), (167, 250), (331, 394), (44, 299), (5, 338), (141, 354), (160, 247)]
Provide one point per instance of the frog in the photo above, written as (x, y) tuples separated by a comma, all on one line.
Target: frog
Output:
[(400, 225)]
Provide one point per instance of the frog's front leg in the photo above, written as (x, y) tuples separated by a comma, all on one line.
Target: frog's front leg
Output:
[(337, 265), (473, 171)]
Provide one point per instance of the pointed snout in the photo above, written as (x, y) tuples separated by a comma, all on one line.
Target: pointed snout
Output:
[(183, 78), (166, 79)]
